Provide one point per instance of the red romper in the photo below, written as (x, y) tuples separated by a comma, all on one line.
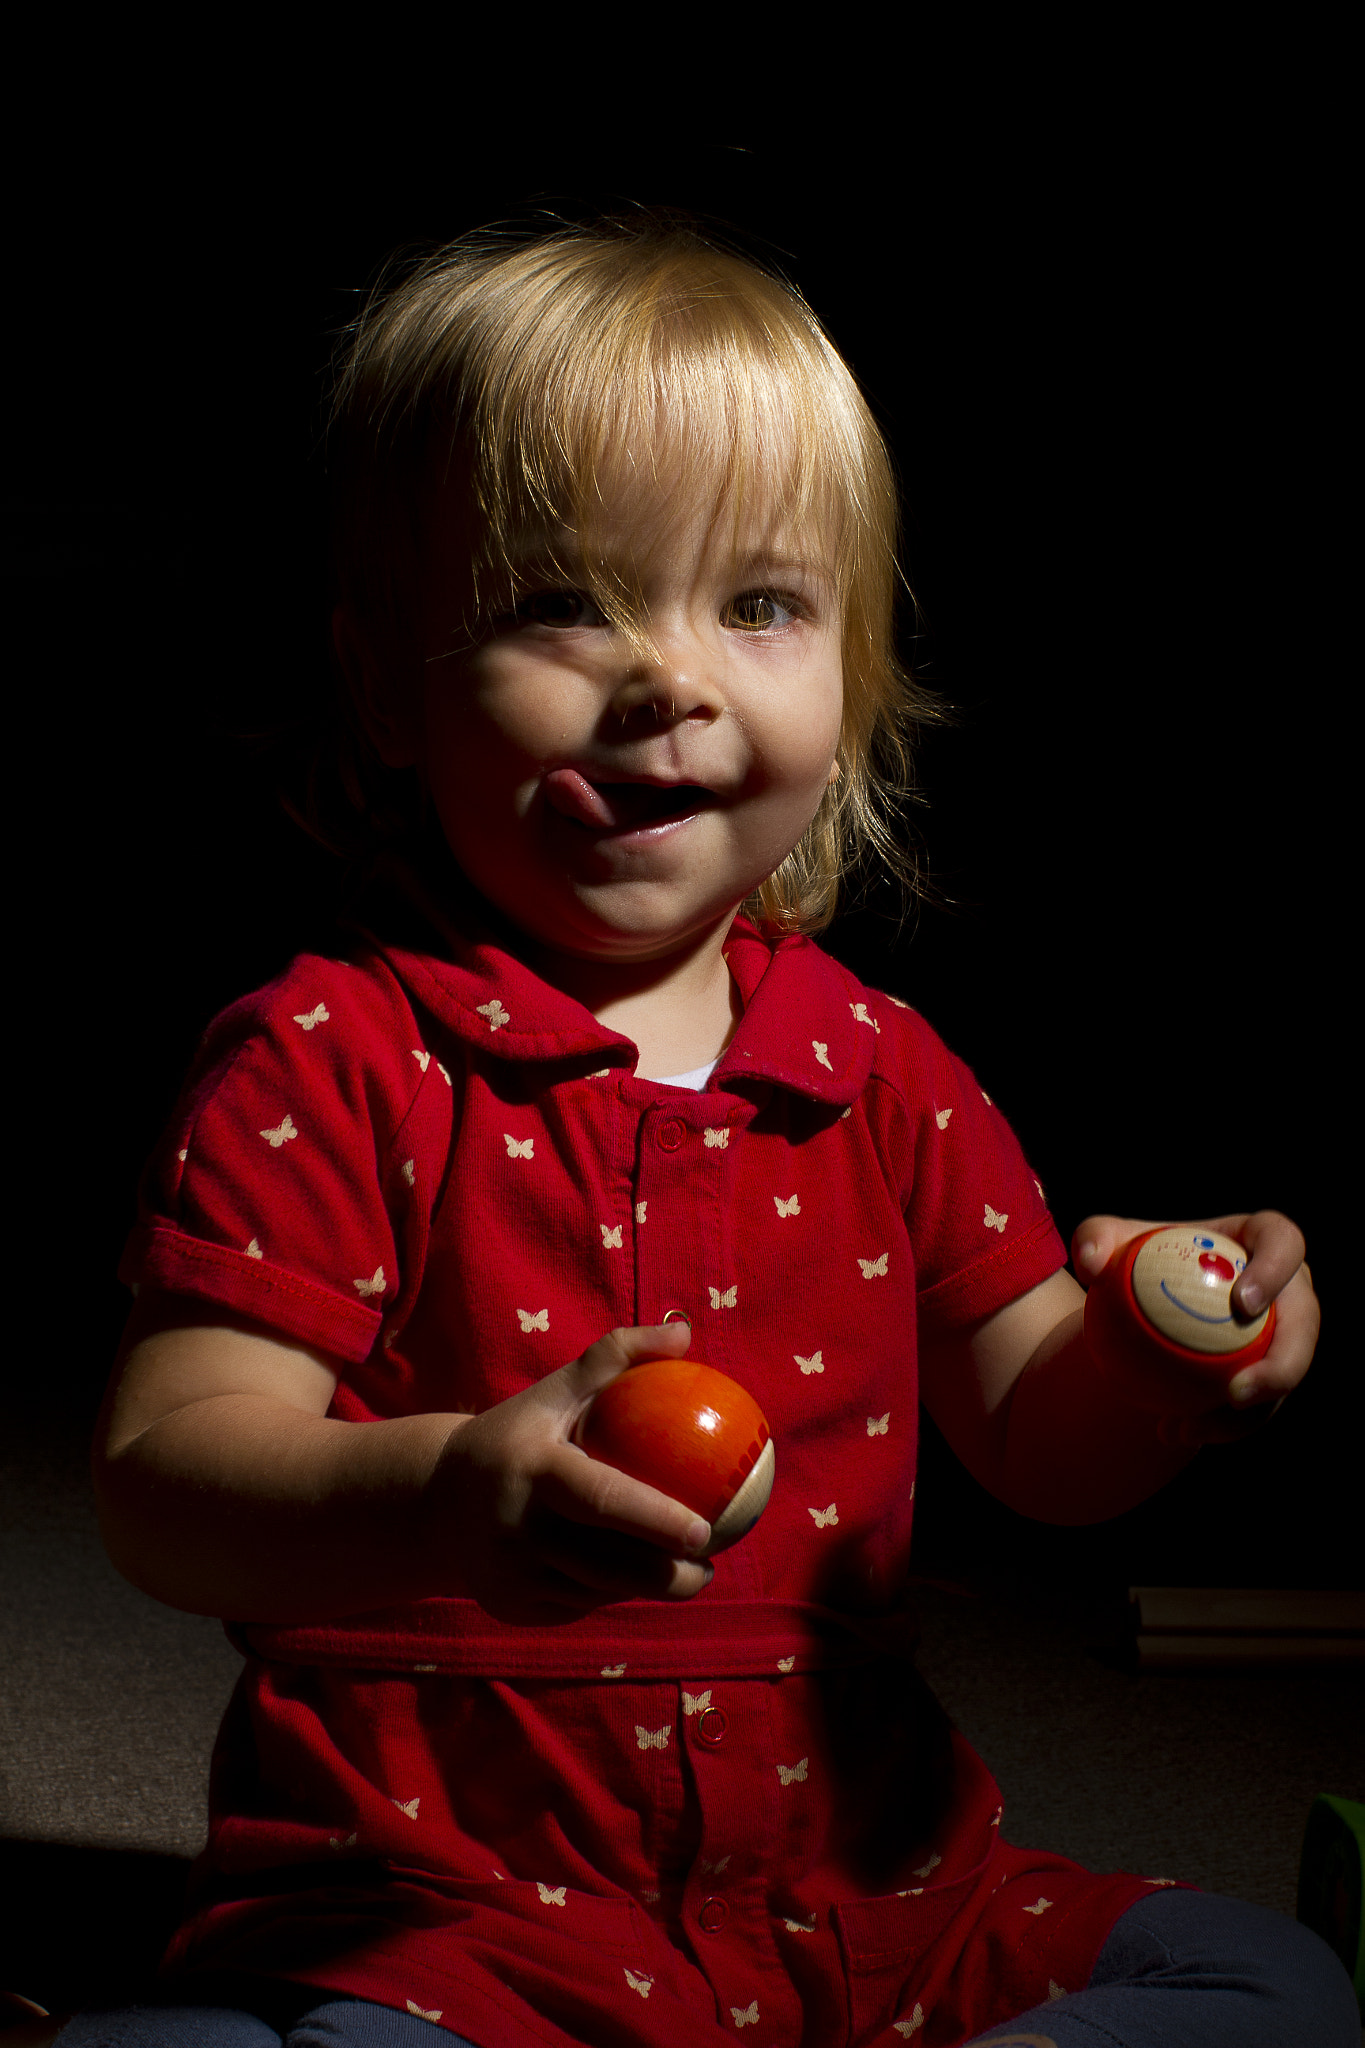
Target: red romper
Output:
[(744, 1815)]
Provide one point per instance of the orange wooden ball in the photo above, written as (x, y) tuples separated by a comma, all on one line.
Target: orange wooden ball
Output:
[(692, 1432)]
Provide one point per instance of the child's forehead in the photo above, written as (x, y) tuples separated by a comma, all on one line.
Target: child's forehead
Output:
[(637, 513)]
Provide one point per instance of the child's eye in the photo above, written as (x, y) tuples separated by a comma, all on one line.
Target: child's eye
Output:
[(762, 611), (558, 608)]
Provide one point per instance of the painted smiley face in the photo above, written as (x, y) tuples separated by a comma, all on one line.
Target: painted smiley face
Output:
[(1182, 1282)]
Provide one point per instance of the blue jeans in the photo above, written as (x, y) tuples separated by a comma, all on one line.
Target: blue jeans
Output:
[(1179, 1970)]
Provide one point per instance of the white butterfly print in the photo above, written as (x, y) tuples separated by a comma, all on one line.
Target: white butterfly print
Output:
[(495, 1014), (941, 1117), (640, 1208), (366, 1288), (924, 1869), (846, 1112), (714, 1869), (425, 1667), (793, 1774), (815, 1363), (860, 1012), (419, 2012), (1159, 1880), (1039, 1185), (639, 1982), (1055, 1990), (897, 1001), (599, 1073), (519, 1148), (824, 1518), (786, 1663), (253, 1250), (658, 1740), (613, 1671), (997, 1816), (726, 1300), (820, 1047), (916, 1891), (611, 1236), (1039, 1907), (799, 1926), (443, 1074), (550, 1894), (423, 1059), (791, 1207), (987, 1100), (410, 1172), (877, 1424), (183, 1156), (746, 2015), (337, 1843), (539, 1321), (312, 1018), (281, 1134), (409, 1806), (874, 1269), (716, 1141), (696, 1702), (651, 1898), (916, 2019), (992, 1221)]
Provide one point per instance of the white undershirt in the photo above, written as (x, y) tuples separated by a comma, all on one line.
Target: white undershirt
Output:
[(697, 1079)]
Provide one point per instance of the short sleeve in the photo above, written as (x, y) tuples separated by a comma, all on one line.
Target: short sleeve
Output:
[(978, 1219), (296, 1180)]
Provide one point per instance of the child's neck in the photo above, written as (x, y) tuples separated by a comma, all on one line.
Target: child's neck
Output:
[(681, 1012)]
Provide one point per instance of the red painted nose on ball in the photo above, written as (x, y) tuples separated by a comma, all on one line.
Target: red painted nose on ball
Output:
[(693, 1433), (1160, 1316)]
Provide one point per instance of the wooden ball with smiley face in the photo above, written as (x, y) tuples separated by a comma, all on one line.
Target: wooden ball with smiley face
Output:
[(1161, 1317), (692, 1432)]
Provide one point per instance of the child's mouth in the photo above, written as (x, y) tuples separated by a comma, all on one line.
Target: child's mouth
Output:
[(622, 806)]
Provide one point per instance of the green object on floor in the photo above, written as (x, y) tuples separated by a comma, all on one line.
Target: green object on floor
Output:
[(1332, 1881)]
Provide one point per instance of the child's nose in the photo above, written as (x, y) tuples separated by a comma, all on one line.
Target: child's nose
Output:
[(674, 687)]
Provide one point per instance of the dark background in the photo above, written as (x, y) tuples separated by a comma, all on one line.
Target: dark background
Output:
[(1103, 351)]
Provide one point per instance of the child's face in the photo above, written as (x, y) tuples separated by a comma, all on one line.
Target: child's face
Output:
[(615, 807)]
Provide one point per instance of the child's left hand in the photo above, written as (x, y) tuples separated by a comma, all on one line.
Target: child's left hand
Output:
[(1275, 1272)]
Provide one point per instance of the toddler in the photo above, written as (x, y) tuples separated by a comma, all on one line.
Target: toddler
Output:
[(511, 1761)]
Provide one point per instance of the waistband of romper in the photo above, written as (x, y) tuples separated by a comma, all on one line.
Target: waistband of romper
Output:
[(635, 1639)]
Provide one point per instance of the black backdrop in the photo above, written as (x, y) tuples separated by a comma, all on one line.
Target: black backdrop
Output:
[(1109, 393)]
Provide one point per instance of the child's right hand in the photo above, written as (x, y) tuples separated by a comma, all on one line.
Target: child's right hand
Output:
[(534, 1526)]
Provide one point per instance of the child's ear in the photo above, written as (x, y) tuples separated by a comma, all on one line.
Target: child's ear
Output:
[(383, 691)]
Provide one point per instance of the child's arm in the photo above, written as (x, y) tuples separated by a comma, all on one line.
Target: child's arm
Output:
[(1048, 1431), (225, 1488)]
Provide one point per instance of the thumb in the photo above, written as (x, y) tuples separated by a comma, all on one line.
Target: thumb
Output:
[(1094, 1242), (584, 1378)]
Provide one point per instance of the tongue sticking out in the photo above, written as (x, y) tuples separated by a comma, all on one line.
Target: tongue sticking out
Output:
[(617, 806), (573, 795)]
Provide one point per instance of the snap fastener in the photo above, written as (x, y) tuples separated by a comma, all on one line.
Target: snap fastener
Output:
[(671, 1134), (712, 1915), (711, 1727)]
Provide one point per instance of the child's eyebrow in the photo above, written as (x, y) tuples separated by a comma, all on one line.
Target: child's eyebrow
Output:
[(540, 553)]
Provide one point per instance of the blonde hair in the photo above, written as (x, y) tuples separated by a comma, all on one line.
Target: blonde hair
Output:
[(532, 372)]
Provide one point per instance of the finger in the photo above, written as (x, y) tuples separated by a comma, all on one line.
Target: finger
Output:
[(1277, 1248), (585, 1490), (1297, 1322), (606, 1564), (1094, 1242), (608, 1358)]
